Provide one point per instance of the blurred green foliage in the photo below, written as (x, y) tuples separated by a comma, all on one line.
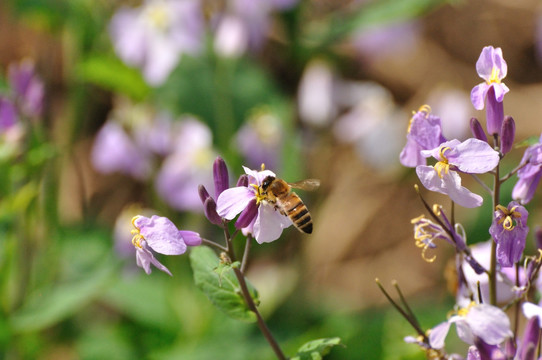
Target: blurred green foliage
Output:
[(65, 294)]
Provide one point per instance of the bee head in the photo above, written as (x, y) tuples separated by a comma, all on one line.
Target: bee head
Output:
[(267, 181)]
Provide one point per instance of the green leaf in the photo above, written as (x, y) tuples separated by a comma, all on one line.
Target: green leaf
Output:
[(222, 289), (51, 305), (111, 74), (316, 349)]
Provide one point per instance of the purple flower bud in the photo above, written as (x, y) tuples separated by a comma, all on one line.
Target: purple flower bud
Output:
[(494, 113), (486, 351), (8, 114), (538, 237), (243, 180), (477, 130), (203, 193), (530, 339), (508, 132), (510, 348), (209, 209), (220, 176), (247, 215)]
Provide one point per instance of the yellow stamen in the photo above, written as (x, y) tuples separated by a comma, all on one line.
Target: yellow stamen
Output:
[(425, 109), (442, 165), (464, 311), (507, 221), (494, 77), (259, 195), (136, 239), (262, 167)]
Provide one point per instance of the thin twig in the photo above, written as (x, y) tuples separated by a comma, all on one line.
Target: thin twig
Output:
[(483, 184), (214, 244), (244, 262)]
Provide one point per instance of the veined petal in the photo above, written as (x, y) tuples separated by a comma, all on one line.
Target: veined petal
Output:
[(489, 323), (530, 310), (269, 224), (438, 334), (233, 200), (474, 156), (500, 90), (478, 95), (144, 259), (256, 177), (429, 178), (161, 235), (484, 65), (459, 194)]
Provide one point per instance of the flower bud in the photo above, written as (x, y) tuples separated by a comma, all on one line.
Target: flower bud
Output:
[(247, 215), (508, 132), (476, 129), (531, 335), (494, 113), (243, 180), (209, 209), (538, 238), (203, 193), (220, 176)]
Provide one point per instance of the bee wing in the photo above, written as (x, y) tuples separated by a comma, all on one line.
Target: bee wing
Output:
[(307, 184)]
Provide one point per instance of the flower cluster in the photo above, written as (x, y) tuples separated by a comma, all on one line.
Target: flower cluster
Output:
[(489, 274), (135, 141), (154, 36), (259, 217), (23, 103)]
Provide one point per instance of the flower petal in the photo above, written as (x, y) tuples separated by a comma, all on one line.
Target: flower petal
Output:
[(233, 200), (489, 323), (474, 156), (459, 194), (478, 95), (269, 224), (438, 334), (161, 235)]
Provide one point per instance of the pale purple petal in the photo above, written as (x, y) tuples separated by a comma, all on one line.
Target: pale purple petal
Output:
[(463, 329), (438, 334), (478, 95), (410, 155), (485, 63), (435, 152), (500, 90), (161, 235), (459, 194), (269, 224), (489, 323), (429, 178), (234, 200), (114, 150), (256, 177), (474, 156), (144, 259)]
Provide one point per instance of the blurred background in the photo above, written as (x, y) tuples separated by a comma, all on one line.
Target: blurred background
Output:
[(109, 109)]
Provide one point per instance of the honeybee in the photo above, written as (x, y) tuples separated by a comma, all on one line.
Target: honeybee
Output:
[(279, 192)]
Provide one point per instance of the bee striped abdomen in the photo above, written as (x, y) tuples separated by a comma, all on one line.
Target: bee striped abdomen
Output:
[(300, 216)]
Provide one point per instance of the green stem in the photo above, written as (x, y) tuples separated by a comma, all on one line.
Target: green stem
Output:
[(249, 300), (493, 264)]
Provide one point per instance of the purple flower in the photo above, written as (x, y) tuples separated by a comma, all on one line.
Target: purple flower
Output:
[(154, 36), (267, 224), (483, 321), (28, 87), (187, 167), (478, 282), (159, 234), (426, 232), (472, 156), (114, 151), (530, 174), (424, 133), (8, 114), (509, 230), (492, 68), (260, 139)]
